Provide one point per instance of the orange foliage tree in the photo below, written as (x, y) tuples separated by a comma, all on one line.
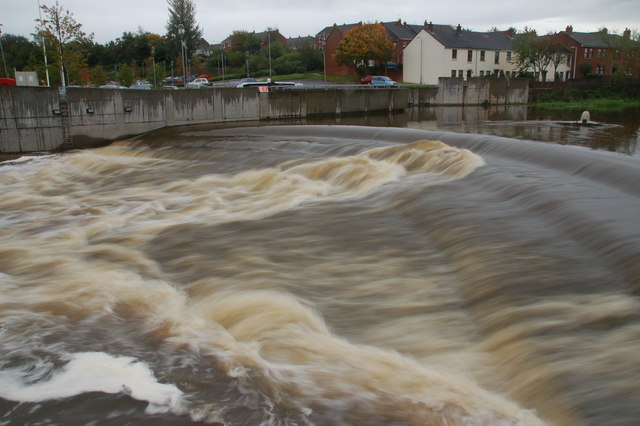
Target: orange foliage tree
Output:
[(364, 43)]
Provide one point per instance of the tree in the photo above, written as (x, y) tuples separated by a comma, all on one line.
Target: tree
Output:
[(243, 41), (537, 53), (19, 53), (60, 29), (364, 43), (182, 14)]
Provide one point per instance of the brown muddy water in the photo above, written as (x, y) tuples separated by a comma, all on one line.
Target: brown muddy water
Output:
[(321, 275)]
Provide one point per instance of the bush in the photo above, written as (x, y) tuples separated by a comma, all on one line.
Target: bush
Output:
[(287, 65)]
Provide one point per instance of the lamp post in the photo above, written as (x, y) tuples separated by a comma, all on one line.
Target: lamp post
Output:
[(44, 49), (182, 49), (153, 62), (323, 46), (6, 73), (246, 58)]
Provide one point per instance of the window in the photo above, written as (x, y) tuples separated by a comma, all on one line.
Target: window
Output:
[(469, 72), (469, 55), (508, 56), (482, 56), (453, 73), (588, 52), (459, 73), (454, 54), (482, 73), (497, 60)]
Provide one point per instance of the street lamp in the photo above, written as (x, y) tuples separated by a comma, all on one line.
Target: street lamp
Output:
[(246, 58), (182, 49)]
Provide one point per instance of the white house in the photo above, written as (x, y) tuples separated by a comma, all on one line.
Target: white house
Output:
[(445, 51)]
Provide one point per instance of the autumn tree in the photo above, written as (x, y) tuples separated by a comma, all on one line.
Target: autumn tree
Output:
[(362, 44), (59, 29)]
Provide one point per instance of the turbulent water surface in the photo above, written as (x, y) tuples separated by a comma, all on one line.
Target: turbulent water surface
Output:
[(320, 275)]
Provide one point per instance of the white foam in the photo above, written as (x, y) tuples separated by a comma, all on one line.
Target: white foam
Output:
[(95, 372)]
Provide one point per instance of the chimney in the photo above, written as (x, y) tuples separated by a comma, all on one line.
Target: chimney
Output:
[(570, 29), (458, 29), (510, 32), (626, 33)]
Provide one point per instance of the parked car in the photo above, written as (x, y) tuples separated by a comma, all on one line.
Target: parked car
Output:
[(140, 85), (366, 79), (382, 81), (268, 82), (196, 85), (170, 87), (202, 81)]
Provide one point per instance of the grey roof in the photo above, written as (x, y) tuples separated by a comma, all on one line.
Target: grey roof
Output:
[(590, 39), (448, 36), (295, 42), (400, 31), (342, 28)]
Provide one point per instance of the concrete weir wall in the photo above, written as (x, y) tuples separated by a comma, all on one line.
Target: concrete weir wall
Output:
[(475, 91), (38, 119)]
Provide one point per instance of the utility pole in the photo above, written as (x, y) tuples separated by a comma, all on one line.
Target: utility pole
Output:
[(323, 46), (6, 73), (269, 35), (153, 61), (44, 48)]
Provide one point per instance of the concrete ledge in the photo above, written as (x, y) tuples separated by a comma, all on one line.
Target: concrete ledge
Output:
[(35, 118)]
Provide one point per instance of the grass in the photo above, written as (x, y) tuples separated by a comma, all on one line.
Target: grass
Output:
[(600, 104), (603, 99)]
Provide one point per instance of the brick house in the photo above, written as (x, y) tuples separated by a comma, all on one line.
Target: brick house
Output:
[(328, 39), (398, 32), (606, 53), (266, 37), (296, 43)]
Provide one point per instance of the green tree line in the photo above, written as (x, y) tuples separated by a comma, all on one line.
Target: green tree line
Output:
[(74, 58)]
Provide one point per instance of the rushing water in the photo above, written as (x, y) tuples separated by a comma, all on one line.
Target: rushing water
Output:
[(320, 275)]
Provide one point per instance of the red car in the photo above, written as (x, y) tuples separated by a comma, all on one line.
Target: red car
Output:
[(8, 81), (366, 80)]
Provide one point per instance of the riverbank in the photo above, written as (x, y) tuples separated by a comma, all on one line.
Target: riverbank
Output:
[(605, 99)]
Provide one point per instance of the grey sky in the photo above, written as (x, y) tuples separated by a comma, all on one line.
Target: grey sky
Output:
[(109, 19)]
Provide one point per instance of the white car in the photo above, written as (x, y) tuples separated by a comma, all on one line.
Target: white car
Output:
[(202, 82)]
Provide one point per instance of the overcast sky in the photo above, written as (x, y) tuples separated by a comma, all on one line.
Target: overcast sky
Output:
[(107, 20)]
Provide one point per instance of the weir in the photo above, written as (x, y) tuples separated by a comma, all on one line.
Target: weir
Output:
[(39, 119)]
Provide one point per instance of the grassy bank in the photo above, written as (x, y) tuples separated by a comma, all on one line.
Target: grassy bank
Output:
[(602, 99), (599, 104)]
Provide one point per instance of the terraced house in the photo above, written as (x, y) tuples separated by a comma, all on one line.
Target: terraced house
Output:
[(605, 53), (444, 51)]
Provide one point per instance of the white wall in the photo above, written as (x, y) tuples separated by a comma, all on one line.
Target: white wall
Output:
[(426, 56)]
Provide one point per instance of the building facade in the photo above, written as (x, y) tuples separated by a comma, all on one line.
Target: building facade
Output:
[(444, 51), (606, 53)]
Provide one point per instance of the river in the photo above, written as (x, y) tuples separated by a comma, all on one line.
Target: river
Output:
[(322, 275)]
